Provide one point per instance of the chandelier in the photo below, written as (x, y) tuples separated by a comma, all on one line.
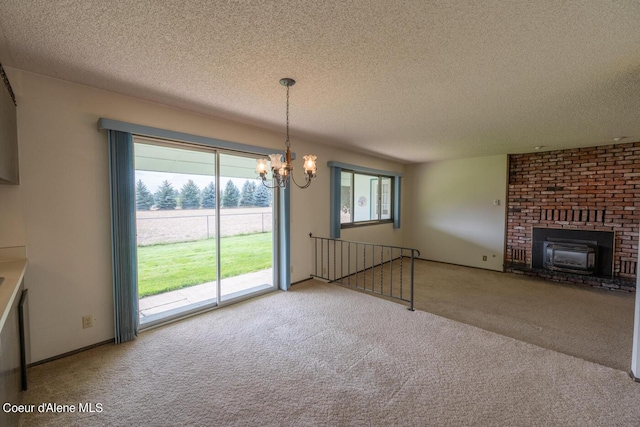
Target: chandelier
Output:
[(281, 171)]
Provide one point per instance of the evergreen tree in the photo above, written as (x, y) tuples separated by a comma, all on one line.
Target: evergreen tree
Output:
[(190, 195), (166, 196), (231, 195), (209, 196), (262, 196), (345, 199), (144, 198), (248, 194)]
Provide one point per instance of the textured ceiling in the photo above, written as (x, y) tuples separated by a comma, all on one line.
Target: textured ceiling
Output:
[(413, 80)]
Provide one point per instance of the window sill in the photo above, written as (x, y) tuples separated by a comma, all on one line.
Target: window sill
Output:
[(365, 223)]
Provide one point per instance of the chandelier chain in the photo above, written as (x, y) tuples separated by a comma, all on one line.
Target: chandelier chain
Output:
[(288, 144)]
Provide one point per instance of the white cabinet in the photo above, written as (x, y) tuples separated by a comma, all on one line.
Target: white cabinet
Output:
[(10, 363), (8, 134)]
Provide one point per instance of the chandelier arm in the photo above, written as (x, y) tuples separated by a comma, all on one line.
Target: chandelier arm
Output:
[(298, 185), (270, 187)]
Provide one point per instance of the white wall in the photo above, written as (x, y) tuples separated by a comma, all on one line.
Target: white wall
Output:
[(61, 209), (12, 232), (451, 216)]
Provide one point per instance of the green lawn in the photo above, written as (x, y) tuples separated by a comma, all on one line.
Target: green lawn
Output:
[(163, 268)]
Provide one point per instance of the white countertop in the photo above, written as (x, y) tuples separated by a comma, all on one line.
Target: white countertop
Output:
[(13, 273)]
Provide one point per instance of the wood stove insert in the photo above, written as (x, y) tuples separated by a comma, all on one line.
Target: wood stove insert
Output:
[(573, 251)]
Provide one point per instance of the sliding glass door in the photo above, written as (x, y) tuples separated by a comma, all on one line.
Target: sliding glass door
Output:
[(246, 225), (204, 231)]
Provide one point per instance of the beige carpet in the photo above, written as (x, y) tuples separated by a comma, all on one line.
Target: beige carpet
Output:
[(324, 355), (593, 324)]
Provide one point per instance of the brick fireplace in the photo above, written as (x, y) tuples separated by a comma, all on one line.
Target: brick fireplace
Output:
[(587, 189)]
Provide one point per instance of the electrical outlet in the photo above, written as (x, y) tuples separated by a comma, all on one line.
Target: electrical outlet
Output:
[(87, 321), (484, 257), (324, 271), (291, 269)]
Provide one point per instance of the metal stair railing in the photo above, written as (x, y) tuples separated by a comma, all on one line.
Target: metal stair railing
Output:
[(376, 268)]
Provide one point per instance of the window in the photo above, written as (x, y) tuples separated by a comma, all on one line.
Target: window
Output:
[(363, 196)]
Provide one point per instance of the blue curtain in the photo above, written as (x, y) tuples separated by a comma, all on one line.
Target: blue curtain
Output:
[(284, 238), (334, 202), (396, 201), (123, 229)]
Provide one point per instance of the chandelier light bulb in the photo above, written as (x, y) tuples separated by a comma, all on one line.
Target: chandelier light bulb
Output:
[(310, 164), (261, 167), (276, 161)]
